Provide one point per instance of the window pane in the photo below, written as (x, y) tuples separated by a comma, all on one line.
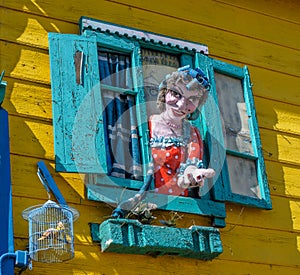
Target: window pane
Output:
[(119, 116), (156, 65), (234, 114), (243, 176), (115, 69)]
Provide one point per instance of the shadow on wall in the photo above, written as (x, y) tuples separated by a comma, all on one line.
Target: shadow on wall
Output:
[(24, 56)]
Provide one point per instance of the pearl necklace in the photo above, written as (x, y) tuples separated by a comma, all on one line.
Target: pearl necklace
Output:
[(172, 125)]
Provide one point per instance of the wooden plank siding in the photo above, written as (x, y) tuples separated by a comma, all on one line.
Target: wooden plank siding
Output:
[(264, 35)]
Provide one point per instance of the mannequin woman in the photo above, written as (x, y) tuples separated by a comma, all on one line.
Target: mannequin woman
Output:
[(177, 148)]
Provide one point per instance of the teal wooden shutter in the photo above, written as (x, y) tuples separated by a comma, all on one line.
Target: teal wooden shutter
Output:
[(138, 81), (212, 132), (76, 103), (236, 157), (208, 193)]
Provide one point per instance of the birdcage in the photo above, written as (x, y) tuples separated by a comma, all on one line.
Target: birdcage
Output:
[(51, 237)]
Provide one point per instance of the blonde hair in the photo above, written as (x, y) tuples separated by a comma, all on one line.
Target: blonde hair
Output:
[(172, 80)]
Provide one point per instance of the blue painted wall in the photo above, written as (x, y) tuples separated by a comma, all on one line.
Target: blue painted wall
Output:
[(6, 224)]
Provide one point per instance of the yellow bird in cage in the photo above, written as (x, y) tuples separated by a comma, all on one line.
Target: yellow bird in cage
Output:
[(57, 233)]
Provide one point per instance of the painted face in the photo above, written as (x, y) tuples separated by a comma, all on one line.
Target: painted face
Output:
[(181, 102)]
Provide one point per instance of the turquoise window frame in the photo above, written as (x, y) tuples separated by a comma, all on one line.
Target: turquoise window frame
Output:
[(99, 186), (223, 191), (127, 46), (66, 105)]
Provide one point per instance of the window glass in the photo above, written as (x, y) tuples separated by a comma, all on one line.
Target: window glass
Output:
[(115, 69), (242, 174), (234, 114), (242, 170), (119, 117), (156, 64)]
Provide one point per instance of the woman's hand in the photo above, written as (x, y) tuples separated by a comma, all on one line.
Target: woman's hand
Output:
[(198, 175), (194, 177)]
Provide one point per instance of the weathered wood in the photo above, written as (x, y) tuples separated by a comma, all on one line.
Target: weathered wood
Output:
[(33, 30), (89, 260), (248, 18), (219, 17), (115, 195), (290, 12), (273, 85), (279, 243), (24, 170), (232, 236), (272, 246), (28, 99), (280, 147), (133, 237), (284, 209), (73, 189), (278, 116), (34, 100), (265, 54), (30, 137), (255, 241), (37, 139), (24, 62), (283, 179)]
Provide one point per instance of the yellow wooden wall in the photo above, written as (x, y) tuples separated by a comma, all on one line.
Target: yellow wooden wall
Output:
[(262, 34)]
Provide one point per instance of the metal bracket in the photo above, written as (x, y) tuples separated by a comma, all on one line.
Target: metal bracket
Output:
[(48, 182)]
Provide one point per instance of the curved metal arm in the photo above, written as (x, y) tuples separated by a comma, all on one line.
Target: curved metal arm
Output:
[(125, 206)]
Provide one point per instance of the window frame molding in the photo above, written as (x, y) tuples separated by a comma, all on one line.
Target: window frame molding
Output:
[(129, 40), (206, 207), (86, 23), (212, 65)]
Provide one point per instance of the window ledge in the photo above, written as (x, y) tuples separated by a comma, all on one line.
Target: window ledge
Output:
[(131, 236), (108, 194)]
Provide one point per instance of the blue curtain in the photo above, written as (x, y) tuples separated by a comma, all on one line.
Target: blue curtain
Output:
[(121, 135)]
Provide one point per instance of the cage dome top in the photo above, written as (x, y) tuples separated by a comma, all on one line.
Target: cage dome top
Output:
[(49, 204)]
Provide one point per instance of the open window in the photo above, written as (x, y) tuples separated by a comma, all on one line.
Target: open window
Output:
[(243, 178), (104, 87)]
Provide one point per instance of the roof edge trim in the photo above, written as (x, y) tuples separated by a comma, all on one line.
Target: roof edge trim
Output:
[(88, 23)]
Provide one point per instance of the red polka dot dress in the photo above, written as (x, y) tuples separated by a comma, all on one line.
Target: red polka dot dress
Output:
[(168, 154)]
